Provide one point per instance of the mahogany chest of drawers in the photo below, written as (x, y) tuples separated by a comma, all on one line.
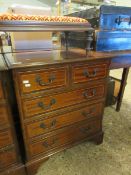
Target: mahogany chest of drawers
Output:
[(61, 100), (10, 160)]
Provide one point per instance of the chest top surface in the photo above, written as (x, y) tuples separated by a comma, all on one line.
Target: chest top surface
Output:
[(40, 58)]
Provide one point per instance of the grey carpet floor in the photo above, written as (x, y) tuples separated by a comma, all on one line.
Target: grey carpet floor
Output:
[(113, 157)]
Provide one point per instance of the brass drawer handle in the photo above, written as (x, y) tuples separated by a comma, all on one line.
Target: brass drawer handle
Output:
[(85, 94), (42, 126), (46, 107), (47, 145), (42, 83), (53, 123), (85, 130), (88, 75), (87, 114)]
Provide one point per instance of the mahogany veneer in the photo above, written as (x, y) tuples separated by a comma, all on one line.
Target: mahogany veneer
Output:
[(56, 121), (10, 160), (61, 100)]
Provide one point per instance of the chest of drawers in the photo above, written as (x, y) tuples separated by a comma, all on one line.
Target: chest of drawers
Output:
[(61, 101), (10, 159)]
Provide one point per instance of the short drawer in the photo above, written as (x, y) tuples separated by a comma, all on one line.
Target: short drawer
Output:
[(6, 138), (1, 91), (3, 115), (86, 73), (46, 125), (43, 79), (7, 158), (69, 135), (56, 101)]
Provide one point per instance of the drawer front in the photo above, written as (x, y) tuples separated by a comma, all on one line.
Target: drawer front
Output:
[(6, 138), (1, 91), (53, 102), (46, 125), (3, 115), (82, 74), (7, 158), (69, 135), (43, 80)]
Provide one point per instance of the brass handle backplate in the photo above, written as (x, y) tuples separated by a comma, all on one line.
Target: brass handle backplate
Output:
[(86, 95), (89, 75), (42, 125), (47, 145), (85, 130), (52, 124), (46, 107), (88, 114)]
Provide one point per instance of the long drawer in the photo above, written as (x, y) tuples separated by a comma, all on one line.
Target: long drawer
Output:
[(68, 136), (52, 102), (3, 115), (6, 138), (7, 157), (86, 73), (43, 126), (42, 79)]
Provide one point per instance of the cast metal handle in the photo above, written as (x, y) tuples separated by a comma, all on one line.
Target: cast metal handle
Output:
[(87, 114), (88, 75), (86, 95), (46, 107), (119, 20), (53, 123), (47, 145), (85, 130), (42, 83), (43, 126)]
